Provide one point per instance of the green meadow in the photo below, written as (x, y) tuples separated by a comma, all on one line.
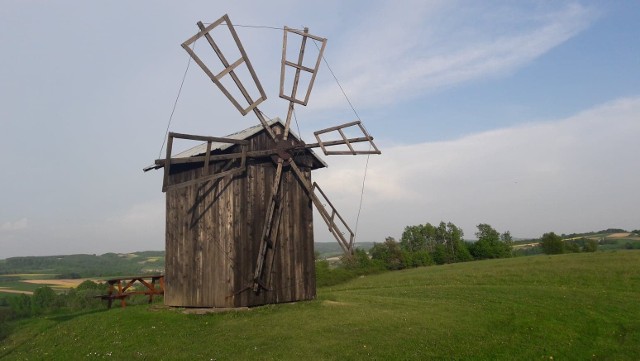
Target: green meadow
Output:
[(581, 306)]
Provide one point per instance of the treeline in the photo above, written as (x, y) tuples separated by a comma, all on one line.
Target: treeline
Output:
[(85, 265), (420, 245), (426, 244), (551, 243), (604, 231)]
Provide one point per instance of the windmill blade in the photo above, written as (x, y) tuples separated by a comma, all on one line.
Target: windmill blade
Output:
[(337, 225), (206, 159), (344, 140), (269, 233), (298, 68), (230, 69), (299, 65)]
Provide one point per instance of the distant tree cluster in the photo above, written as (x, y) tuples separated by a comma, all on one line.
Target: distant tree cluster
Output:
[(551, 243), (46, 301), (426, 244)]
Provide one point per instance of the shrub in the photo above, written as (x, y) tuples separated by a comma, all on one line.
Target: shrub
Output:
[(490, 243), (20, 305), (43, 300), (389, 253), (590, 245), (551, 243), (571, 246)]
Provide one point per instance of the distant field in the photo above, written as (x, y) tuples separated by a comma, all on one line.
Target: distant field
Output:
[(6, 290), (27, 283), (565, 307), (60, 283)]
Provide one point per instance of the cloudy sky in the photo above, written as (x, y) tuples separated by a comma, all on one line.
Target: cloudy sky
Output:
[(524, 115)]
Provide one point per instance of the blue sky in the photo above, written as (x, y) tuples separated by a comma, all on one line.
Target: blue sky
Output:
[(523, 115)]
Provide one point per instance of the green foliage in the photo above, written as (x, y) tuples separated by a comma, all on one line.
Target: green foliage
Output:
[(350, 267), (590, 245), (581, 245), (389, 253), (20, 305), (443, 243), (571, 246), (43, 301), (418, 258), (551, 243), (490, 243)]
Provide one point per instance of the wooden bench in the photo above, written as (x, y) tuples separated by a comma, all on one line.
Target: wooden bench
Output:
[(121, 288)]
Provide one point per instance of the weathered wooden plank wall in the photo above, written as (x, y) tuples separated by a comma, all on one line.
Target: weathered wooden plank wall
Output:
[(212, 238)]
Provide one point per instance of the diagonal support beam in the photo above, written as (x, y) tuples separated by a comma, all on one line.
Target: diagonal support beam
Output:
[(333, 219), (267, 239)]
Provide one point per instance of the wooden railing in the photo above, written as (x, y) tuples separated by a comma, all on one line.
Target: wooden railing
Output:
[(121, 288)]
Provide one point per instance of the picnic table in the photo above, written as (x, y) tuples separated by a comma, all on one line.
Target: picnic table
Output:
[(123, 287)]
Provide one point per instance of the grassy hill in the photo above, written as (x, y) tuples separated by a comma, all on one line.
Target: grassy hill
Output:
[(571, 306), (86, 265)]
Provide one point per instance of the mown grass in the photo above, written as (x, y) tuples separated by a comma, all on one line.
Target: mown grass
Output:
[(573, 306)]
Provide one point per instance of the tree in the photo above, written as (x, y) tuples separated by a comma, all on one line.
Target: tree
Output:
[(457, 248), (413, 238), (491, 244), (43, 300), (590, 245), (389, 253), (551, 243), (571, 246), (21, 305), (418, 238), (358, 261), (423, 244)]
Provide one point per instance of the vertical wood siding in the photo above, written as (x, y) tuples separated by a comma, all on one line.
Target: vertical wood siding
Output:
[(212, 238)]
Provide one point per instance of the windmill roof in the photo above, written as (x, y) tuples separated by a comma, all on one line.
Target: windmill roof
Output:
[(201, 149)]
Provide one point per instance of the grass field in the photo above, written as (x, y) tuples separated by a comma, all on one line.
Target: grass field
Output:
[(564, 307)]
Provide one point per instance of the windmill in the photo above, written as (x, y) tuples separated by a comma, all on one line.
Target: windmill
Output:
[(286, 162)]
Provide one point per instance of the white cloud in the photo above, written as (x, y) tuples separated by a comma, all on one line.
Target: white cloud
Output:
[(18, 225), (401, 50), (576, 174)]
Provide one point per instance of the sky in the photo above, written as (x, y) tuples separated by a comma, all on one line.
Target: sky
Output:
[(524, 115)]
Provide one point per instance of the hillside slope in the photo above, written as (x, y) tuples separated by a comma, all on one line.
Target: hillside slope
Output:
[(573, 306)]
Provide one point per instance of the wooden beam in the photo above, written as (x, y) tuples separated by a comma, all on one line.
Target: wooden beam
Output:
[(230, 172), (207, 139), (298, 66), (229, 68), (265, 238), (213, 158), (329, 219), (345, 141)]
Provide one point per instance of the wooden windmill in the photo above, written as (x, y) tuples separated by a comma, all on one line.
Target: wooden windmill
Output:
[(239, 228)]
